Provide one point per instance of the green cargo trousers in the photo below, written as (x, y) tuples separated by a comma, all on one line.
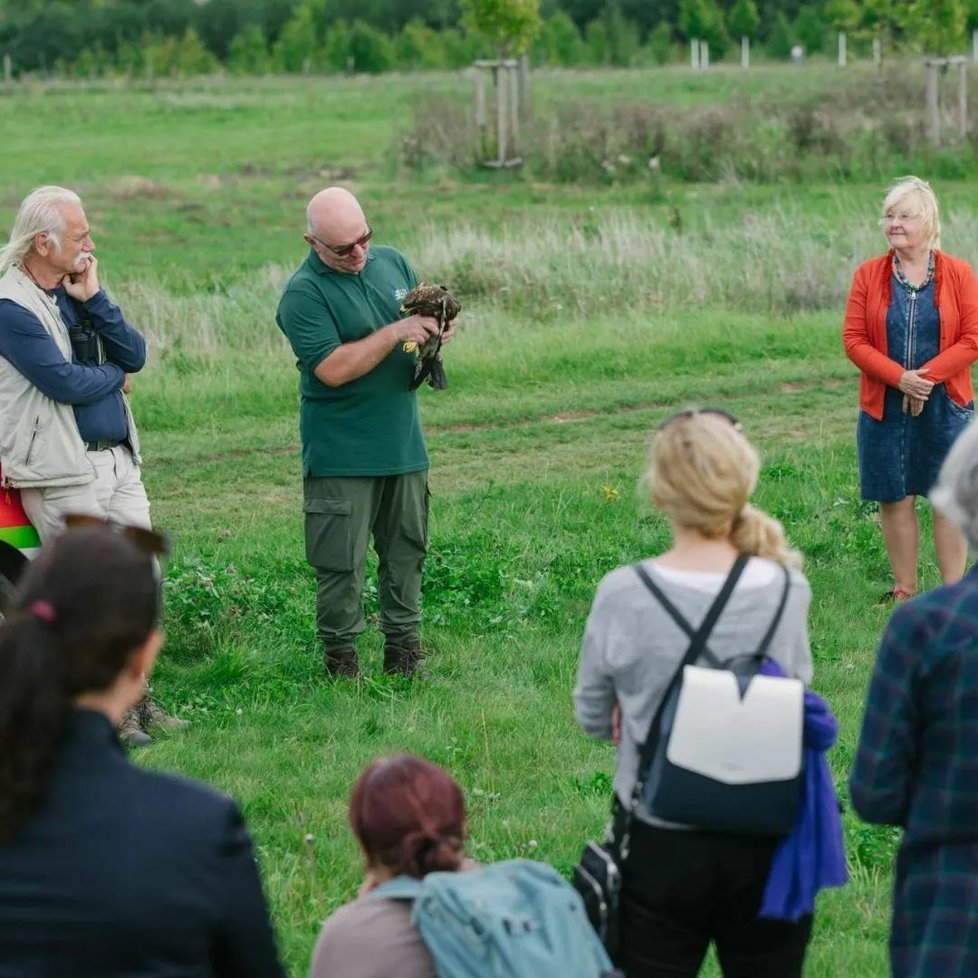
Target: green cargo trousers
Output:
[(341, 512)]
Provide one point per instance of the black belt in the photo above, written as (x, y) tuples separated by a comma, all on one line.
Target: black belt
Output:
[(101, 446)]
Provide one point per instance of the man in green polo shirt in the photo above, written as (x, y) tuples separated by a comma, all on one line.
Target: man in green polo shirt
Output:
[(364, 461)]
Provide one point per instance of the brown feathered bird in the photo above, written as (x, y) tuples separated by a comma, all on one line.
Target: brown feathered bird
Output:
[(435, 301)]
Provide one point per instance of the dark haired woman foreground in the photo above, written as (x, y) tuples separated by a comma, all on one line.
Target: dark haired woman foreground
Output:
[(409, 817), (106, 869)]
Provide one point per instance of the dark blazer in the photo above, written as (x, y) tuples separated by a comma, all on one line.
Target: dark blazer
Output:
[(127, 873)]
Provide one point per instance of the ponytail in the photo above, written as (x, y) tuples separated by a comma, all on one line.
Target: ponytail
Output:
[(85, 604), (34, 707), (425, 852), (755, 533)]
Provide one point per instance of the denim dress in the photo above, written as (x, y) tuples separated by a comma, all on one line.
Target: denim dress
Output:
[(902, 455)]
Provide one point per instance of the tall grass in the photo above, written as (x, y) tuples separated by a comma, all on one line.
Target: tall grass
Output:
[(779, 260)]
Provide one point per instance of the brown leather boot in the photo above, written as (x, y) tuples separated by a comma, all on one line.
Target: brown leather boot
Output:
[(131, 732), (151, 714), (341, 663), (404, 658)]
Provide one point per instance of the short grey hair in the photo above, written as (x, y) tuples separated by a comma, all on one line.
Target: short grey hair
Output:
[(956, 494), (40, 213), (914, 192)]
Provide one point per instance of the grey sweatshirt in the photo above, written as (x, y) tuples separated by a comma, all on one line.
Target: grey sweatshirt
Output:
[(632, 647)]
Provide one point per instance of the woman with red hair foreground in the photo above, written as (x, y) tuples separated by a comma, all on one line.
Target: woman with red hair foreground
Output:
[(409, 817)]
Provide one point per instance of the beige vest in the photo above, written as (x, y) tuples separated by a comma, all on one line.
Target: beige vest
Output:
[(39, 440)]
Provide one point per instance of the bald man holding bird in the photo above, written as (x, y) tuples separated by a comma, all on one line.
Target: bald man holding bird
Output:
[(364, 460)]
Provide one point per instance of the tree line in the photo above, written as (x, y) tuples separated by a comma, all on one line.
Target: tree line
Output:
[(157, 38)]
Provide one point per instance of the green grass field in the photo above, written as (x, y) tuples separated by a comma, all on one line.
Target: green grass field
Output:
[(589, 316)]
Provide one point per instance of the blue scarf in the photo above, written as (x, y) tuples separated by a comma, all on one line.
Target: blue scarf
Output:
[(812, 857)]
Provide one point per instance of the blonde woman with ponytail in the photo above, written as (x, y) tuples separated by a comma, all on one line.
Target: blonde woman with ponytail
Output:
[(684, 888)]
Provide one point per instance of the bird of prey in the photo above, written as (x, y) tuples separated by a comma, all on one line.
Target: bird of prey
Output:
[(435, 301)]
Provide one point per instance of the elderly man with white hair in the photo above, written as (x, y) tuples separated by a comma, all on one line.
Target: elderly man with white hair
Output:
[(68, 441), (67, 436), (364, 460), (916, 761)]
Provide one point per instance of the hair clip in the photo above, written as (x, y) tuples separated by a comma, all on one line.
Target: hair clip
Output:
[(44, 611)]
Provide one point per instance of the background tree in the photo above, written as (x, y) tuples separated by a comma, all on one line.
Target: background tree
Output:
[(622, 36), (702, 19), (298, 46), (743, 19), (189, 56), (558, 42), (370, 49), (509, 25), (219, 22), (843, 15), (418, 46), (937, 27), (659, 44), (336, 46), (596, 42), (811, 30), (248, 52), (780, 39)]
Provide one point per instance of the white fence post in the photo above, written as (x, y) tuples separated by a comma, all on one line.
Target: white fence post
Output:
[(745, 52), (877, 52), (704, 54), (694, 53), (842, 49)]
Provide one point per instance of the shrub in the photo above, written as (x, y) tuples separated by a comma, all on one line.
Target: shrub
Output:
[(559, 43), (868, 130), (248, 52), (370, 50), (660, 43)]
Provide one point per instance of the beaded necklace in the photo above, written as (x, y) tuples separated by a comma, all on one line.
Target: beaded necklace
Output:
[(902, 277)]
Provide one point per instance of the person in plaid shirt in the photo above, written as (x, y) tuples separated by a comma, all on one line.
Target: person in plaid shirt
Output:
[(917, 761)]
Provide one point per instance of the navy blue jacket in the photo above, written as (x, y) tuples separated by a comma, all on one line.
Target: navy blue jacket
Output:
[(128, 873), (93, 389)]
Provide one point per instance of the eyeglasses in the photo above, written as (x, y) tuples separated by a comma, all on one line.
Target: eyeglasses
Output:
[(901, 218), (693, 412), (345, 250), (149, 541)]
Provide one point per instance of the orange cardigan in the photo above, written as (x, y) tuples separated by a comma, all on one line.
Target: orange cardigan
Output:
[(864, 331)]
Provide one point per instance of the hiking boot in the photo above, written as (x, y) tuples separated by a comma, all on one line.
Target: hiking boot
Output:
[(130, 730), (341, 663), (151, 714), (404, 658)]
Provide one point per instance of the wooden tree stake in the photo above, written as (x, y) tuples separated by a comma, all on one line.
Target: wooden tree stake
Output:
[(931, 107)]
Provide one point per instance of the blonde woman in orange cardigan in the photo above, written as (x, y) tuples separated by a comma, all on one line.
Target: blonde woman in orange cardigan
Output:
[(911, 326)]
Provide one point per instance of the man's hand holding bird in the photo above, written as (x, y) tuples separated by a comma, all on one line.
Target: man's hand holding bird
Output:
[(437, 302)]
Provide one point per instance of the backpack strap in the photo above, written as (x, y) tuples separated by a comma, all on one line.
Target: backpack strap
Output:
[(681, 621), (398, 888), (773, 627), (712, 614), (674, 613)]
